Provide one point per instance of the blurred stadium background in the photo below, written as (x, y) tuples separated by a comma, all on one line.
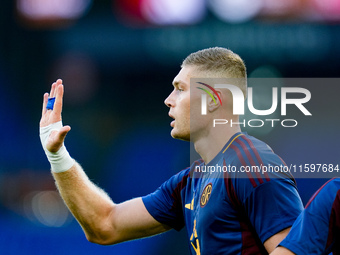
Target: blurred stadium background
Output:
[(117, 60)]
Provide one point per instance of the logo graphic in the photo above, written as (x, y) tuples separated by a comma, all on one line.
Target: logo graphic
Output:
[(206, 195), (204, 97), (290, 96), (190, 206), (238, 99)]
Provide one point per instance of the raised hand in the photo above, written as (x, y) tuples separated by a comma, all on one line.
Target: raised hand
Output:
[(54, 139)]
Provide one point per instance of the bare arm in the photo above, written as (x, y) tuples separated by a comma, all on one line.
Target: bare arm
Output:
[(274, 241), (103, 221), (282, 251)]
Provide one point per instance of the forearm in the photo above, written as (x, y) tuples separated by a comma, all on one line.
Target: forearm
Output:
[(273, 241), (89, 204), (281, 251)]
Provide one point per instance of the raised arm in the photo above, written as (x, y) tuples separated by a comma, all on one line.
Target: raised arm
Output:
[(103, 221)]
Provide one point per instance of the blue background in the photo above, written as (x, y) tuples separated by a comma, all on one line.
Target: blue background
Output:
[(116, 78)]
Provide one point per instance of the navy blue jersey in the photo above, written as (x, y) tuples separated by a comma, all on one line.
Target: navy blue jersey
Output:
[(225, 209), (317, 228)]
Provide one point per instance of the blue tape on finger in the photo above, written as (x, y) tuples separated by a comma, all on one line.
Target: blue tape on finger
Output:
[(50, 103)]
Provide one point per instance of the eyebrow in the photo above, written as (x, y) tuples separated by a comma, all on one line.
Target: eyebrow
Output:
[(176, 83)]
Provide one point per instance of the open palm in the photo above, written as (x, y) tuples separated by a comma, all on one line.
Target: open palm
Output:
[(48, 117)]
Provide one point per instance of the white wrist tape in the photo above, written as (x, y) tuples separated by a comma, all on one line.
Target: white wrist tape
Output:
[(61, 160)]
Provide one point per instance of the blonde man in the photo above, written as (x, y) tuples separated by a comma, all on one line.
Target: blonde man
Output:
[(224, 212)]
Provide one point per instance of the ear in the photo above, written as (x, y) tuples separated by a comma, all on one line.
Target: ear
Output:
[(214, 104)]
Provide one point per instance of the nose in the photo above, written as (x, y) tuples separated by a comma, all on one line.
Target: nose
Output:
[(169, 101)]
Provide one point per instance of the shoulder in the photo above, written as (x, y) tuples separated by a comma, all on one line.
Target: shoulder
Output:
[(256, 159), (326, 195), (179, 180), (248, 150), (170, 190), (260, 186)]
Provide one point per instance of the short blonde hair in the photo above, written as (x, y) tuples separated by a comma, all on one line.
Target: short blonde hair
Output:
[(221, 62)]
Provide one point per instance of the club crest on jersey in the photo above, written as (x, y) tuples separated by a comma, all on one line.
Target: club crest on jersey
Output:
[(206, 195)]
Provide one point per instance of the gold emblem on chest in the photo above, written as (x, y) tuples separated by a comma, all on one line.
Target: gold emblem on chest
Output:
[(206, 195)]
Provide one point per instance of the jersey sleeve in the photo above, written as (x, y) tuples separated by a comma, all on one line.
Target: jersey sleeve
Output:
[(165, 204), (272, 207), (314, 230), (270, 202)]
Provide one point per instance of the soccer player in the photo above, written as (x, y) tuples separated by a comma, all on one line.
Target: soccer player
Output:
[(317, 229), (224, 212)]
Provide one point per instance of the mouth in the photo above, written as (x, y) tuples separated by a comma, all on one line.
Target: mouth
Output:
[(172, 124)]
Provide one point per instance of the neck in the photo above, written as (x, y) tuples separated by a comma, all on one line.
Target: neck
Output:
[(209, 145)]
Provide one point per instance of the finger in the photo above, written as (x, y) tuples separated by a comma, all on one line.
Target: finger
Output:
[(58, 104), (44, 103), (52, 93)]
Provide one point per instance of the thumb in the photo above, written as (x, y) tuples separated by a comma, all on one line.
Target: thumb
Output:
[(63, 132), (56, 139)]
